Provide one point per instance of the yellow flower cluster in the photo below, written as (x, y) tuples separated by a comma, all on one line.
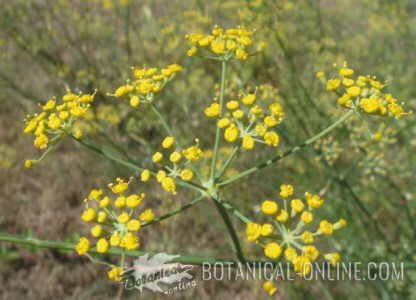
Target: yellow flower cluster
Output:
[(58, 118), (146, 83), (288, 234), (222, 43), (363, 93), (176, 163), (246, 120), (115, 221)]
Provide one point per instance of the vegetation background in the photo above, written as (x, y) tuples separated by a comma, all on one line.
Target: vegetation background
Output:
[(47, 46)]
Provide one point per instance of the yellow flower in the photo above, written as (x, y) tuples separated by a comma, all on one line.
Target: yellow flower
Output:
[(41, 141), (69, 97), (157, 157), (120, 187), (133, 225), (333, 258), (269, 207), (123, 218), (97, 231), (307, 237), (266, 229), (270, 121), (192, 51), (248, 142), (272, 250), (347, 82), (88, 215), (354, 91), (286, 190), (147, 215), (101, 217), (104, 202), (325, 227), (306, 217), (346, 72), (102, 245), (249, 99), (314, 201), (333, 84), (115, 239), (115, 273), (213, 110), (260, 130), (302, 265), (168, 142), (271, 138), (134, 101), (290, 254), (224, 122), (232, 105), (145, 175), (168, 184), (192, 153), (238, 114), (133, 201), (310, 252), (282, 216), (175, 157), (186, 175), (160, 175), (130, 241), (270, 288), (95, 194), (120, 202), (231, 133), (345, 100), (218, 46), (241, 54), (83, 246), (340, 224), (297, 205), (28, 163), (253, 231), (50, 105), (369, 105)]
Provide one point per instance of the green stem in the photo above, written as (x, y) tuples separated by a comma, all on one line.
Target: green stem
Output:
[(231, 230), (176, 211), (269, 162), (184, 259), (227, 163), (127, 30), (164, 123), (234, 211), (65, 246), (107, 155), (218, 131)]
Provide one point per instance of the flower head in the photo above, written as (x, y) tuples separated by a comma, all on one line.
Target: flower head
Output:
[(294, 240), (146, 83), (222, 43), (364, 94), (117, 217)]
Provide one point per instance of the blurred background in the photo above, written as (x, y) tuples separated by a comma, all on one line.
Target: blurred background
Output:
[(47, 46)]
